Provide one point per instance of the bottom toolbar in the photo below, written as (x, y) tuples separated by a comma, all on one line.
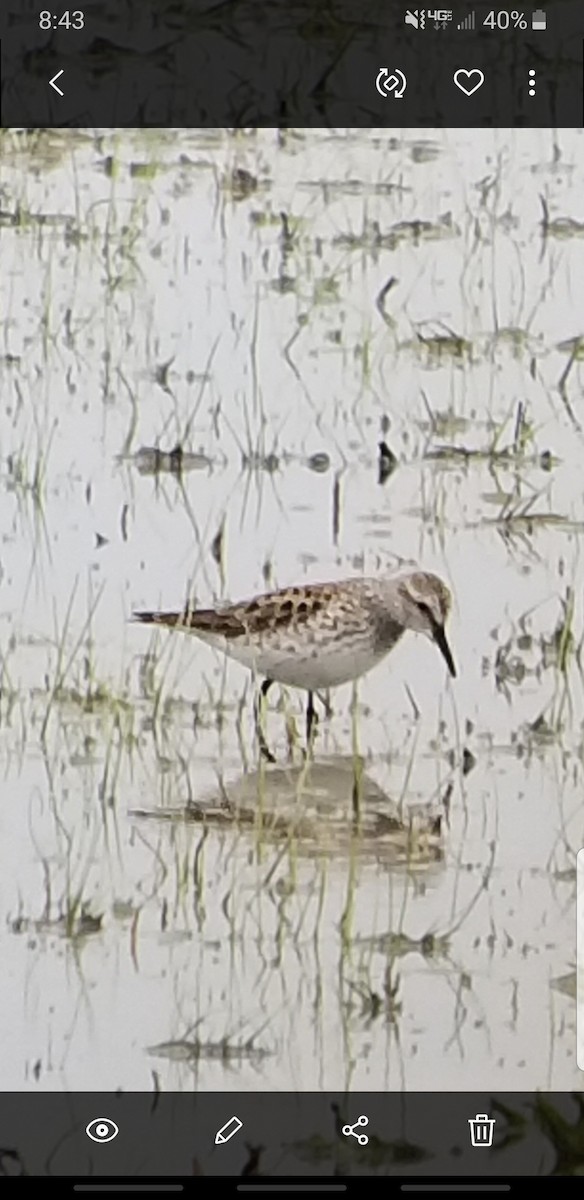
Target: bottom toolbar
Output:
[(291, 1135)]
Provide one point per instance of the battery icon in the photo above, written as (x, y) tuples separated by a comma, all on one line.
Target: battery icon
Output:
[(538, 20)]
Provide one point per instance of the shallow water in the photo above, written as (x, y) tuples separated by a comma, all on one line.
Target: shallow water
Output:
[(153, 297)]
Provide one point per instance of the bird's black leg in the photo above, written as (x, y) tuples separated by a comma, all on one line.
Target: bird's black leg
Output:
[(311, 722), (259, 715)]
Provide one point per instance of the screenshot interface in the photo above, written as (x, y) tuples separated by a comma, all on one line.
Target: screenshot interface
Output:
[(291, 597)]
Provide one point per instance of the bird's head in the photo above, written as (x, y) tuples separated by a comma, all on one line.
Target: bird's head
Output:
[(426, 604)]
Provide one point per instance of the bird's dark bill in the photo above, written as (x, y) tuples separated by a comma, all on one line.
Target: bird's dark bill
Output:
[(444, 648)]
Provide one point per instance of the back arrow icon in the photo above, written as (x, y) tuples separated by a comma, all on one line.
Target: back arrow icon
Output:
[(54, 85)]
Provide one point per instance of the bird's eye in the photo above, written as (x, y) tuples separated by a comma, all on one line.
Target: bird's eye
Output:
[(427, 611)]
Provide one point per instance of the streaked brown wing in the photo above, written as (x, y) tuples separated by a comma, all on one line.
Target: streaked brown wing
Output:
[(264, 613)]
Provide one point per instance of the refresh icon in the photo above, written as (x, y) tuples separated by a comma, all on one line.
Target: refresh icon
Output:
[(390, 83)]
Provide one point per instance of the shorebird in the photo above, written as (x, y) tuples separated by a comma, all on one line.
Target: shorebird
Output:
[(319, 635)]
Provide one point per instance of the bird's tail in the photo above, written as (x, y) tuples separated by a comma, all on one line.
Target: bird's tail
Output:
[(198, 620), (159, 618)]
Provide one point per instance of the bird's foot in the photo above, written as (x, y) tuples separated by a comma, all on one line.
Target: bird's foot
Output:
[(265, 751), (311, 725), (260, 710)]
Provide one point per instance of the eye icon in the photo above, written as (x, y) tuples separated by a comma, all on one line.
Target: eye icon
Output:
[(101, 1129)]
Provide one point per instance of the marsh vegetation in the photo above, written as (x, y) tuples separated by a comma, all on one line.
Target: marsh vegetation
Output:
[(206, 341)]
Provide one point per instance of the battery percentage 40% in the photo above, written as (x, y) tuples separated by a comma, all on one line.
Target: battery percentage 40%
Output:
[(505, 20)]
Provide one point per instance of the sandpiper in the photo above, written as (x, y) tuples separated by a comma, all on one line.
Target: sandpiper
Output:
[(319, 635)]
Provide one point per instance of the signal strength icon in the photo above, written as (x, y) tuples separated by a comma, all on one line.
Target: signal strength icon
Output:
[(468, 23)]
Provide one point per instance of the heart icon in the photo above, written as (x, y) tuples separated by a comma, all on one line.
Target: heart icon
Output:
[(469, 81)]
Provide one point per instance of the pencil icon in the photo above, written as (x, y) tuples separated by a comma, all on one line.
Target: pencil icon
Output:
[(228, 1130)]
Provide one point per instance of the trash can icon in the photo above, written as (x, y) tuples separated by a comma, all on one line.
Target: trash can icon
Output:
[(481, 1130)]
